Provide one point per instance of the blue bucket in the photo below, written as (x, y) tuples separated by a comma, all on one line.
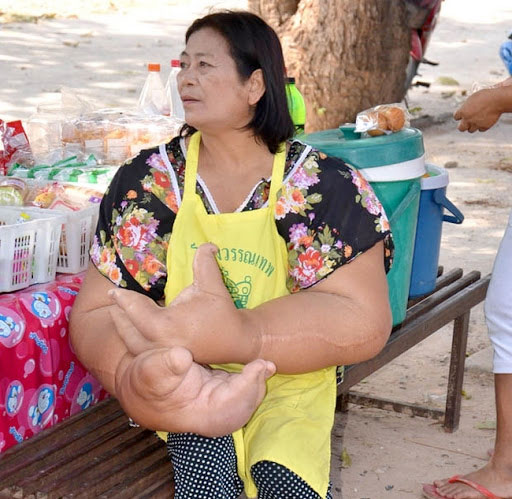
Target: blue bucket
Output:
[(427, 242)]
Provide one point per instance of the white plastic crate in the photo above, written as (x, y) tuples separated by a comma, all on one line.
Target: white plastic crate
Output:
[(28, 250), (76, 239), (77, 232)]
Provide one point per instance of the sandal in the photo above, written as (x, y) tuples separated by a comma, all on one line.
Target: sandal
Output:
[(430, 490)]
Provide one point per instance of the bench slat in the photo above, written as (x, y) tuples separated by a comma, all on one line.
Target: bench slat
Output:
[(439, 296), (441, 281), (75, 468), (95, 419), (154, 482), (69, 448), (126, 467)]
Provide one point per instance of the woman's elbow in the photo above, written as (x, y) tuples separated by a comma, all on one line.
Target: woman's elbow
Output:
[(80, 323), (374, 334), (75, 321), (380, 331)]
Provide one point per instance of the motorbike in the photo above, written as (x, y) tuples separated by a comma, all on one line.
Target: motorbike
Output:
[(423, 15)]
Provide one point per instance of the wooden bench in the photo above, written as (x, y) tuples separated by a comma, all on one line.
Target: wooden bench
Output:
[(92, 454), (97, 454)]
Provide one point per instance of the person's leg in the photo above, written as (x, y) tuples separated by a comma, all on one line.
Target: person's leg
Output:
[(278, 482), (502, 455), (204, 468), (496, 475)]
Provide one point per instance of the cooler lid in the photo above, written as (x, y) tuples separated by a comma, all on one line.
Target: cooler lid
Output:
[(344, 143)]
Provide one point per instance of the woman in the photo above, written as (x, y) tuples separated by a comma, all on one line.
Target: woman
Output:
[(296, 277)]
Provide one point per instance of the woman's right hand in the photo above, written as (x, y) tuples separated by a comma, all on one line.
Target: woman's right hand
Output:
[(164, 389)]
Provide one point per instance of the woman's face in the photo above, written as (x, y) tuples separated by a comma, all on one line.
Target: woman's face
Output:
[(213, 95)]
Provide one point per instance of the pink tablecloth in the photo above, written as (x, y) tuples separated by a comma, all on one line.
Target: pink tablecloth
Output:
[(41, 380)]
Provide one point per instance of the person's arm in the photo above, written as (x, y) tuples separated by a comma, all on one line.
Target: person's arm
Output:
[(93, 332), (343, 319), (483, 109), (161, 389)]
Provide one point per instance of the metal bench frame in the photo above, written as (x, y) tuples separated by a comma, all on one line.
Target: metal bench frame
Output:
[(454, 297)]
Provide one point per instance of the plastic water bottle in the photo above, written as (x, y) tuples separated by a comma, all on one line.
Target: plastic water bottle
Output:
[(171, 92), (506, 53), (296, 105), (152, 99)]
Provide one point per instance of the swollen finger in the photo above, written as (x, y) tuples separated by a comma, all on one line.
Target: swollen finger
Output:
[(207, 275), (252, 379), (160, 372), (139, 308), (131, 336), (177, 360)]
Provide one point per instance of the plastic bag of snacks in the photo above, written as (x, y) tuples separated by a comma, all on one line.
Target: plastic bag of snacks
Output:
[(111, 135), (60, 196), (43, 194), (16, 147), (382, 119), (72, 169), (13, 191)]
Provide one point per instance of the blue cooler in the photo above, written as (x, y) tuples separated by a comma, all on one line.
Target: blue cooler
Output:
[(427, 242)]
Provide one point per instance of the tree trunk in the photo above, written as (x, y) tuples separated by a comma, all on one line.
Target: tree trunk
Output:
[(346, 55)]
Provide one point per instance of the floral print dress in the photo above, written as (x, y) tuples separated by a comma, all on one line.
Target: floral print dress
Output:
[(327, 214)]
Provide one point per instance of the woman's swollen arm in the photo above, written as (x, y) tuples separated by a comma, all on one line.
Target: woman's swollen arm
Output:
[(93, 332), (344, 319)]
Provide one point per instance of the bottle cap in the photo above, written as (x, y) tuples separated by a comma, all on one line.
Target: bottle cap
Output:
[(290, 79), (175, 63), (153, 67)]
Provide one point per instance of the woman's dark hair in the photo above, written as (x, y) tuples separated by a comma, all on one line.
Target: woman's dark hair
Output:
[(254, 45)]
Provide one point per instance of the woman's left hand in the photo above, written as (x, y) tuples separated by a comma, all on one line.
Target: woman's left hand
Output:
[(202, 318)]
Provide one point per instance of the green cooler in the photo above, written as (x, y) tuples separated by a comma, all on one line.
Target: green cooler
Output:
[(394, 165)]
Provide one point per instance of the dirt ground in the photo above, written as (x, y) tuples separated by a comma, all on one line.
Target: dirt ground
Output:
[(101, 48)]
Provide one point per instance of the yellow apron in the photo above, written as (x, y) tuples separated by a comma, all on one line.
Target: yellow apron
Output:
[(292, 426)]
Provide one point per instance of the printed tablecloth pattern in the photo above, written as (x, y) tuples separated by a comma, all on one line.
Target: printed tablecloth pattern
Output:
[(41, 380)]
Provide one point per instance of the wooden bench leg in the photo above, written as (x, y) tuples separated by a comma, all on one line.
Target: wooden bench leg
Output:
[(342, 402), (456, 375)]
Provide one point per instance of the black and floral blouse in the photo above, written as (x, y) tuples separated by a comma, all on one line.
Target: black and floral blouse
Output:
[(327, 214)]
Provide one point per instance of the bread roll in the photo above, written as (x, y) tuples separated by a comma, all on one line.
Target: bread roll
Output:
[(394, 117)]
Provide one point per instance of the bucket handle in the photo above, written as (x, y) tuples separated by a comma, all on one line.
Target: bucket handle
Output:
[(441, 199), (412, 193)]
